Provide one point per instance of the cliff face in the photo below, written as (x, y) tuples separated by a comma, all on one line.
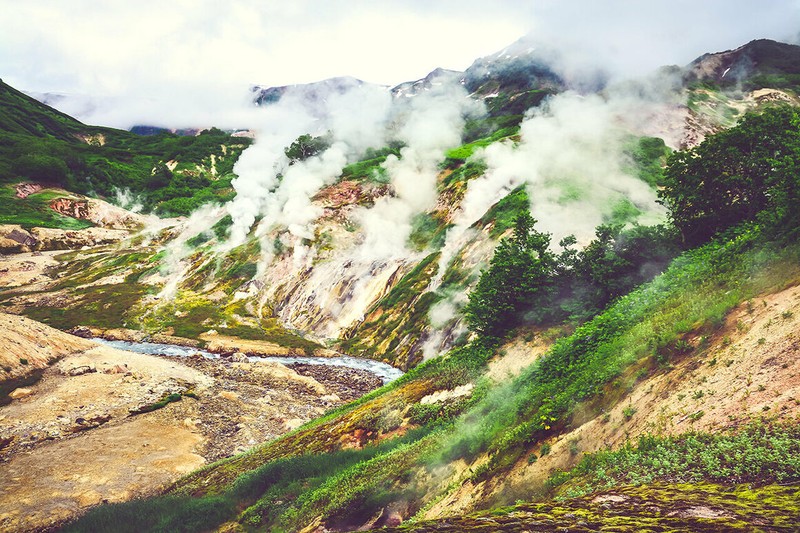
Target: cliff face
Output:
[(99, 213)]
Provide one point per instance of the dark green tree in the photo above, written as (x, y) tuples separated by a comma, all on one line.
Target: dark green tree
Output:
[(41, 167), (160, 177), (307, 146), (518, 283), (736, 175), (615, 262)]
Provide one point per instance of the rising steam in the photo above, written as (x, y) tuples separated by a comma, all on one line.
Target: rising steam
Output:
[(569, 156)]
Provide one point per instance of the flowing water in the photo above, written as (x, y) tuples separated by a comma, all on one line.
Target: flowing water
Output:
[(386, 372)]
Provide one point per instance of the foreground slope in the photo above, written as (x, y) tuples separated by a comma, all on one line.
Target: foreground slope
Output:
[(492, 421), (398, 455), (84, 424)]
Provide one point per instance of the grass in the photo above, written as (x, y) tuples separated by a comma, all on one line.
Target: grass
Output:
[(35, 211), (509, 421), (370, 168), (191, 314), (647, 158), (427, 231), (761, 453), (505, 212), (102, 306), (459, 156), (693, 295), (41, 144), (271, 496)]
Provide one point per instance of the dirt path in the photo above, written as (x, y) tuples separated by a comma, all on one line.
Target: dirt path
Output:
[(59, 479)]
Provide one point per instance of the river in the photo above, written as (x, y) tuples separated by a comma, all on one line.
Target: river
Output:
[(387, 373)]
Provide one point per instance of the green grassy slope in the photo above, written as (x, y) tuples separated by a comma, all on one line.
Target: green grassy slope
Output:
[(499, 423), (38, 143), (414, 454)]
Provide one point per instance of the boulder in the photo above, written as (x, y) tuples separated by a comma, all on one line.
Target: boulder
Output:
[(19, 393), (76, 366), (80, 370), (239, 357)]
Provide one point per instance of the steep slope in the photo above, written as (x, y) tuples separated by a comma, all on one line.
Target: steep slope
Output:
[(601, 365), (28, 349), (724, 85), (169, 173), (405, 306), (21, 114), (755, 65)]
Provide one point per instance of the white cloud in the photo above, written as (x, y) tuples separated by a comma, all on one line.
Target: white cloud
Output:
[(190, 61)]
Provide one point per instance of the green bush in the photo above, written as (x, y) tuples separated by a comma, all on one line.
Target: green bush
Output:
[(759, 453), (747, 172)]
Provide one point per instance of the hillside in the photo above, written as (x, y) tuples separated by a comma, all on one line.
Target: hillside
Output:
[(164, 173), (592, 289)]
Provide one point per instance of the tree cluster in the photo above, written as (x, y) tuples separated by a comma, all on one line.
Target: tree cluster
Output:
[(527, 282), (749, 172)]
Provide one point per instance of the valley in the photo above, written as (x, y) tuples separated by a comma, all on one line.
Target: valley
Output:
[(90, 428), (514, 298)]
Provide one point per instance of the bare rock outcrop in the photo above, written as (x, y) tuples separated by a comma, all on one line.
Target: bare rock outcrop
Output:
[(14, 239), (98, 212), (58, 239), (30, 346), (24, 190)]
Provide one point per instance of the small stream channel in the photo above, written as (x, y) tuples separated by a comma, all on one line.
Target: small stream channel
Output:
[(386, 372)]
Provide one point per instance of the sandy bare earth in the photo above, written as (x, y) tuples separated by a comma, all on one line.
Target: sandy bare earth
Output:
[(70, 440)]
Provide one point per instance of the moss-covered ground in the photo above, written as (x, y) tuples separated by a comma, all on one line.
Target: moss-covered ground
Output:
[(635, 509)]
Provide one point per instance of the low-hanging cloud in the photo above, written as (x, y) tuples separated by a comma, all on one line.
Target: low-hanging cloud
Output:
[(188, 63)]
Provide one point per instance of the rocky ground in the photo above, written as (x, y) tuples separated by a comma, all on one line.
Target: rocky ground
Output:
[(103, 424)]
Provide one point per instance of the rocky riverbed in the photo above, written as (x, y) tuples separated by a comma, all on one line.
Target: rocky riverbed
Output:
[(103, 424)]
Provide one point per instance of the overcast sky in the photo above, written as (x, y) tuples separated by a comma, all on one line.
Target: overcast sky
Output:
[(187, 61)]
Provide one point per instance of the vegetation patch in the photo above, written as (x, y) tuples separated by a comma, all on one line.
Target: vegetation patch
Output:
[(504, 213), (647, 159), (762, 453), (102, 306), (34, 211), (170, 174), (370, 168), (458, 156), (702, 507), (163, 402)]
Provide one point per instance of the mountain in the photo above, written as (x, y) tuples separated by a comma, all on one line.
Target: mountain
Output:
[(626, 360), (313, 97), (436, 77), (22, 114), (523, 65), (167, 173), (757, 64)]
